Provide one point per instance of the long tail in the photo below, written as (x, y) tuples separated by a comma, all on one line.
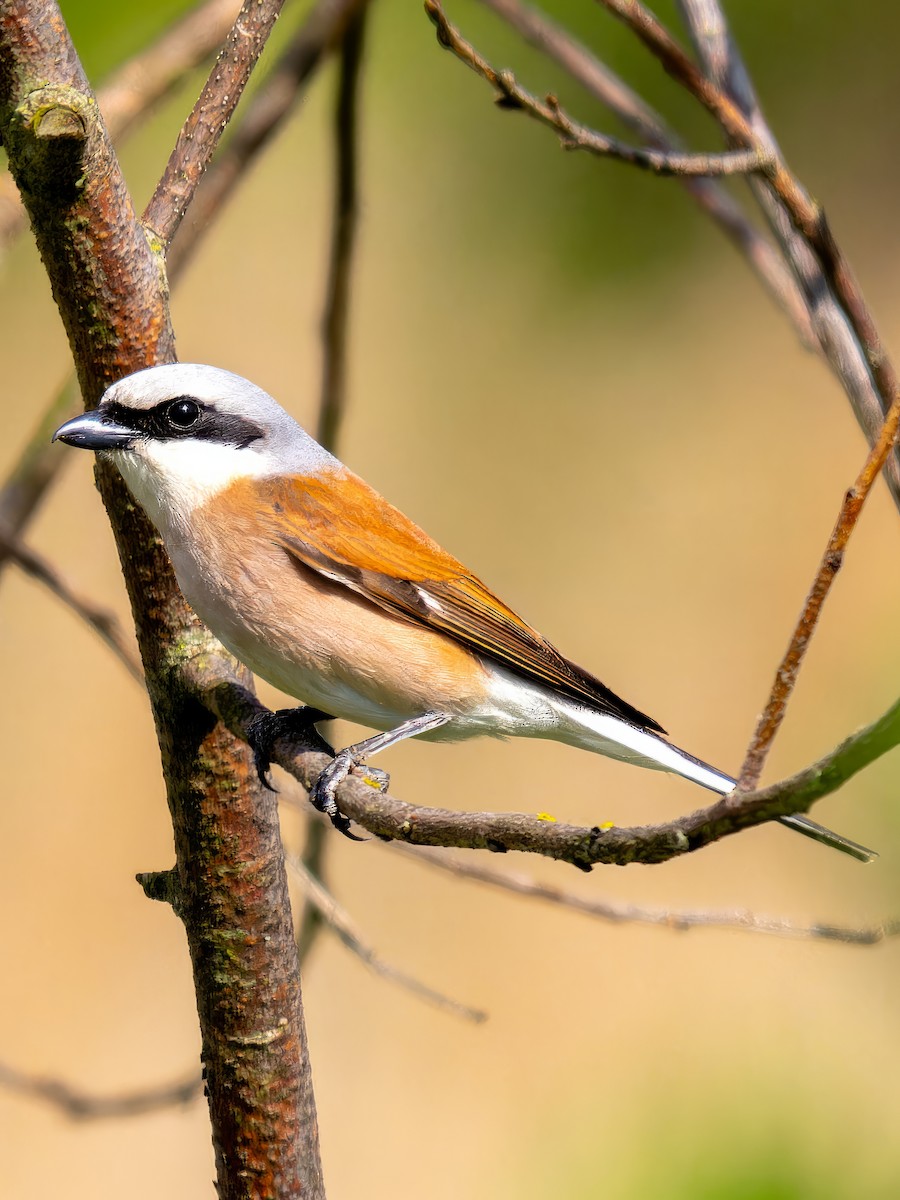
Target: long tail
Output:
[(710, 778), (619, 739)]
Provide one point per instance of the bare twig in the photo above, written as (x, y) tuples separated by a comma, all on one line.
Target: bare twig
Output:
[(611, 90), (343, 234), (102, 622), (388, 817), (144, 80), (573, 134), (338, 920), (806, 216), (266, 112), (335, 325), (37, 467), (619, 913), (82, 1106), (310, 923), (131, 92), (719, 54), (786, 675), (204, 127)]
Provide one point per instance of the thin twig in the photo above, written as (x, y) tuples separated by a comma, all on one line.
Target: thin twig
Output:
[(807, 217), (102, 622), (573, 134), (313, 856), (338, 920), (611, 90), (144, 80), (204, 127), (336, 317), (786, 675), (132, 91), (335, 323), (619, 913), (82, 1106), (266, 112), (719, 54), (37, 467)]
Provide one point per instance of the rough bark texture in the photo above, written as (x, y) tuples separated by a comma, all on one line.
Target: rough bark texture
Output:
[(229, 884)]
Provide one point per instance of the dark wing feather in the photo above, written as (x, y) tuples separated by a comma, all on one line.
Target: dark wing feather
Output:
[(384, 557)]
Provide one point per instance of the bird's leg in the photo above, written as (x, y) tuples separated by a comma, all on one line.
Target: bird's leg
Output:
[(323, 790), (296, 724)]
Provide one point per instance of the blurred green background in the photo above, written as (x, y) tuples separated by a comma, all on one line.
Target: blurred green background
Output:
[(566, 375)]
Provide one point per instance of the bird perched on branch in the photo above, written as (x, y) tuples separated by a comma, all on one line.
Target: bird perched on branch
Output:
[(321, 587)]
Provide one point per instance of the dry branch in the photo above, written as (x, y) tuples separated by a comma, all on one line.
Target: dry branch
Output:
[(135, 88), (633, 111), (719, 54), (100, 620), (84, 1106), (204, 127), (264, 116), (336, 318), (789, 667), (573, 134), (339, 921), (618, 913), (805, 215), (834, 301)]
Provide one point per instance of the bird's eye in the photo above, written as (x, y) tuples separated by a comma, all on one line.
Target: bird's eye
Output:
[(183, 413)]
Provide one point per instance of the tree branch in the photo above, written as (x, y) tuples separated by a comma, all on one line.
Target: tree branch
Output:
[(102, 622), (204, 127), (266, 112), (82, 1106), (39, 464), (573, 134), (132, 91), (336, 317), (838, 342), (618, 913), (806, 216), (338, 920), (789, 667), (612, 91)]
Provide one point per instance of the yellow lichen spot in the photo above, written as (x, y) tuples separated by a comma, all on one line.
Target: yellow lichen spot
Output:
[(545, 817), (607, 825)]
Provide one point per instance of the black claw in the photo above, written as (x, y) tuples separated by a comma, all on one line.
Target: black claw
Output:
[(342, 825), (297, 724), (322, 794)]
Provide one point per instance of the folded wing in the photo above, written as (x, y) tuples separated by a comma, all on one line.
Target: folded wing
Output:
[(341, 528)]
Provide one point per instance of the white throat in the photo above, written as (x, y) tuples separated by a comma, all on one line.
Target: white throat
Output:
[(170, 479)]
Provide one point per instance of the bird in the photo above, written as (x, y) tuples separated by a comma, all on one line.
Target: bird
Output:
[(325, 590)]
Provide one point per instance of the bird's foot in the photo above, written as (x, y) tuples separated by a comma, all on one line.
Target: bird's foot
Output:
[(296, 724), (323, 793)]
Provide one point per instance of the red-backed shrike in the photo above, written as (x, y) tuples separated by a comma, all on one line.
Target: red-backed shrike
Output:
[(322, 588)]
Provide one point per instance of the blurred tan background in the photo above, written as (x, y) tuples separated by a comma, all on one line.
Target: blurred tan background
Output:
[(568, 378)]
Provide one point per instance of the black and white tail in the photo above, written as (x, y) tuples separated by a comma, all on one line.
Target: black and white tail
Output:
[(605, 734)]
